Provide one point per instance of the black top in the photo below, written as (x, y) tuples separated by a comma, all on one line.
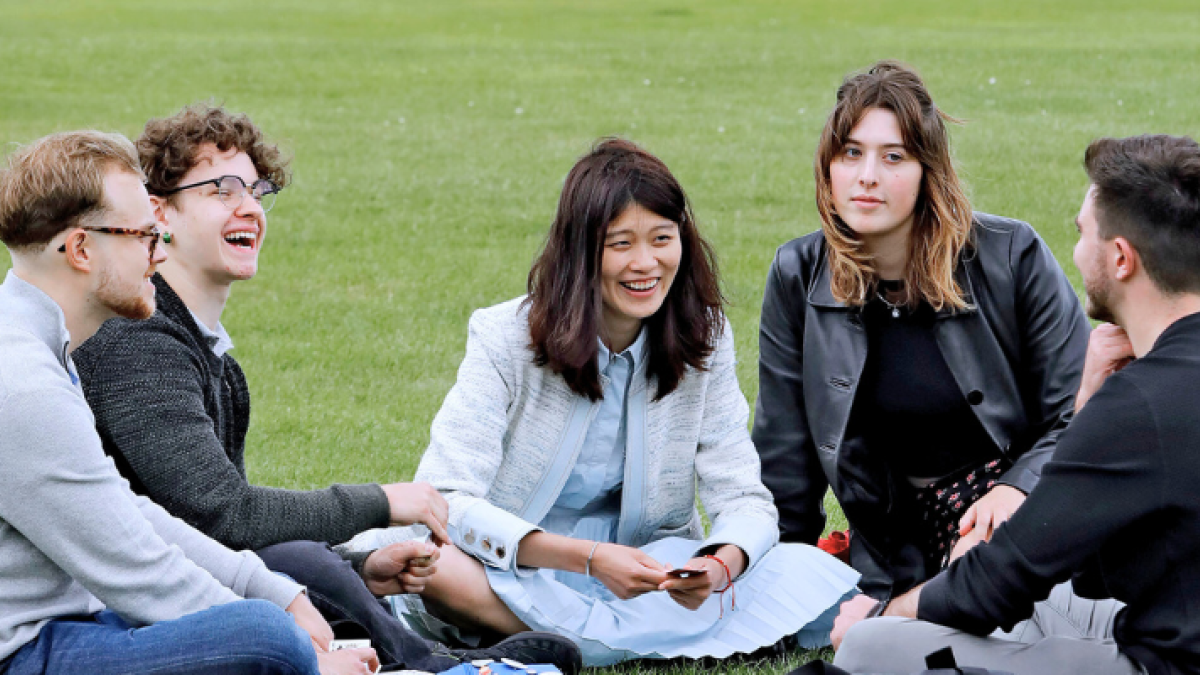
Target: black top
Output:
[(908, 405), (1117, 510), (1016, 352)]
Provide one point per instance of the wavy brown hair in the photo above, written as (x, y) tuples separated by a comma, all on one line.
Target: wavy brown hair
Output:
[(565, 302), (170, 146), (942, 215)]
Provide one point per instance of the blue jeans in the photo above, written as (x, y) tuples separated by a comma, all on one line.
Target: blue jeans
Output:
[(244, 637)]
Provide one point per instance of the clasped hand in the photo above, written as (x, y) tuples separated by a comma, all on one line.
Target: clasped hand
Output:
[(628, 573), (403, 567)]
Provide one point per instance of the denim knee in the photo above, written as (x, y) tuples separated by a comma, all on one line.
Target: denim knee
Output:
[(268, 639)]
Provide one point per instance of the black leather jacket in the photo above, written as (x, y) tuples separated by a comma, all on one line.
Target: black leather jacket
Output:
[(1017, 354)]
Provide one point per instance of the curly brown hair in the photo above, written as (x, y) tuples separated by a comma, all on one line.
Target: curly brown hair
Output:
[(169, 146)]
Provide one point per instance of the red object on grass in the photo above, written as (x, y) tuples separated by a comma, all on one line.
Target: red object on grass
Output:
[(837, 544)]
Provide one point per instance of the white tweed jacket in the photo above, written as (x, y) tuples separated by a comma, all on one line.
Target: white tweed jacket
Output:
[(509, 432)]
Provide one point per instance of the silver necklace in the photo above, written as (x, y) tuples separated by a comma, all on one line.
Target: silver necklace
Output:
[(894, 307)]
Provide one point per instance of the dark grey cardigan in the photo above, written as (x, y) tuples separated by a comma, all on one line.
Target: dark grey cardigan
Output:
[(173, 415)]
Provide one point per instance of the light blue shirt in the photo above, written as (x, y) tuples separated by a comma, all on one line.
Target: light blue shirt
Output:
[(594, 485)]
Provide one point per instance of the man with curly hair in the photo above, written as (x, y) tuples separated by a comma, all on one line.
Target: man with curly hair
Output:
[(173, 407), (93, 578)]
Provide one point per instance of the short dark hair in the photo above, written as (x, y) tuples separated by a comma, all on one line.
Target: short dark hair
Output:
[(1147, 190), (565, 302), (57, 182), (169, 146)]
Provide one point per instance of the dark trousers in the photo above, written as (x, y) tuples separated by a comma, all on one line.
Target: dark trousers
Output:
[(340, 594)]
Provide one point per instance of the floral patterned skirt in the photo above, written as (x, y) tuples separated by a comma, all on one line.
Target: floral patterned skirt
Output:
[(942, 503)]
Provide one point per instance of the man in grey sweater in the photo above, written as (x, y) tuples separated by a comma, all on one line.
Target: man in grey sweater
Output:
[(212, 178), (93, 578)]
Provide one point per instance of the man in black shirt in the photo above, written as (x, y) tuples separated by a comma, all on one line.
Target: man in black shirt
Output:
[(1117, 511)]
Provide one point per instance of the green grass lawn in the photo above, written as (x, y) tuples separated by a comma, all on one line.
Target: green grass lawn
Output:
[(431, 139)]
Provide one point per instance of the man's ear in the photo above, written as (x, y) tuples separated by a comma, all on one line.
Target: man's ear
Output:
[(1125, 258), (160, 210), (78, 255)]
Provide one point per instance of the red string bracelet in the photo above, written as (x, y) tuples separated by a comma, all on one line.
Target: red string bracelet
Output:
[(728, 587)]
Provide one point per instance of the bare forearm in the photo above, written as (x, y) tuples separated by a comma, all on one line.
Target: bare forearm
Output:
[(1089, 384), (1109, 350), (542, 549), (734, 558), (905, 605)]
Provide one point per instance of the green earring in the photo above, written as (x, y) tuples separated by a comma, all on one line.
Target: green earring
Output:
[(166, 237)]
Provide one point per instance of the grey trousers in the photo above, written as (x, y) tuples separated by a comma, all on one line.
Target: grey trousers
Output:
[(1066, 634)]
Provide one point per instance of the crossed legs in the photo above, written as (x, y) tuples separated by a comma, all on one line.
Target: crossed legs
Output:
[(460, 593), (1067, 634)]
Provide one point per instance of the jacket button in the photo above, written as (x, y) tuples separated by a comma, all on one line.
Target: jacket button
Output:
[(486, 544), (500, 552), (975, 397), (469, 537)]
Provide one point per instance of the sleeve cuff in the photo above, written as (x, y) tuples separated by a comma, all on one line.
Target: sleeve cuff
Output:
[(931, 606), (755, 536), (371, 502), (274, 588), (357, 559), (492, 534), (1020, 478)]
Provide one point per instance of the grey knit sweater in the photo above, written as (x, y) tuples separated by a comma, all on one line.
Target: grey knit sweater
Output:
[(174, 416), (73, 538)]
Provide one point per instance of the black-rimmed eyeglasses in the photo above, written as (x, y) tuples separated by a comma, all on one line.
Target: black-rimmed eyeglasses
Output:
[(153, 234), (231, 190)]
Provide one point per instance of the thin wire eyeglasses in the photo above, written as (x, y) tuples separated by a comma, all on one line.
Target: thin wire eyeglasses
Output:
[(231, 190), (154, 234)]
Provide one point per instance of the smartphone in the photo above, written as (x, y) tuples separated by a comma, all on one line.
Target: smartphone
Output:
[(680, 573)]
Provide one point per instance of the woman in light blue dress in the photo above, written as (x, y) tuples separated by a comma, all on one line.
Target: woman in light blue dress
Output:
[(586, 419)]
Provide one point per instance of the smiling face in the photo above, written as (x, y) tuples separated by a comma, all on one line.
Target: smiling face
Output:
[(875, 181), (123, 284), (213, 243), (641, 256)]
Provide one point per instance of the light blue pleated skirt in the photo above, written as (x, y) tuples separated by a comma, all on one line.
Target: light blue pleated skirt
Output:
[(793, 587)]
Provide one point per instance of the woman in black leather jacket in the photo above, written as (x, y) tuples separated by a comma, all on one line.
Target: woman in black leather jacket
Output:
[(916, 356)]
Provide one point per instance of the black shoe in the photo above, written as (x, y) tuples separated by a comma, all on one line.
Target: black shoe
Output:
[(530, 648)]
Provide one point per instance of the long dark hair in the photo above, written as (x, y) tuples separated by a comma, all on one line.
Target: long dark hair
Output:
[(565, 302)]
